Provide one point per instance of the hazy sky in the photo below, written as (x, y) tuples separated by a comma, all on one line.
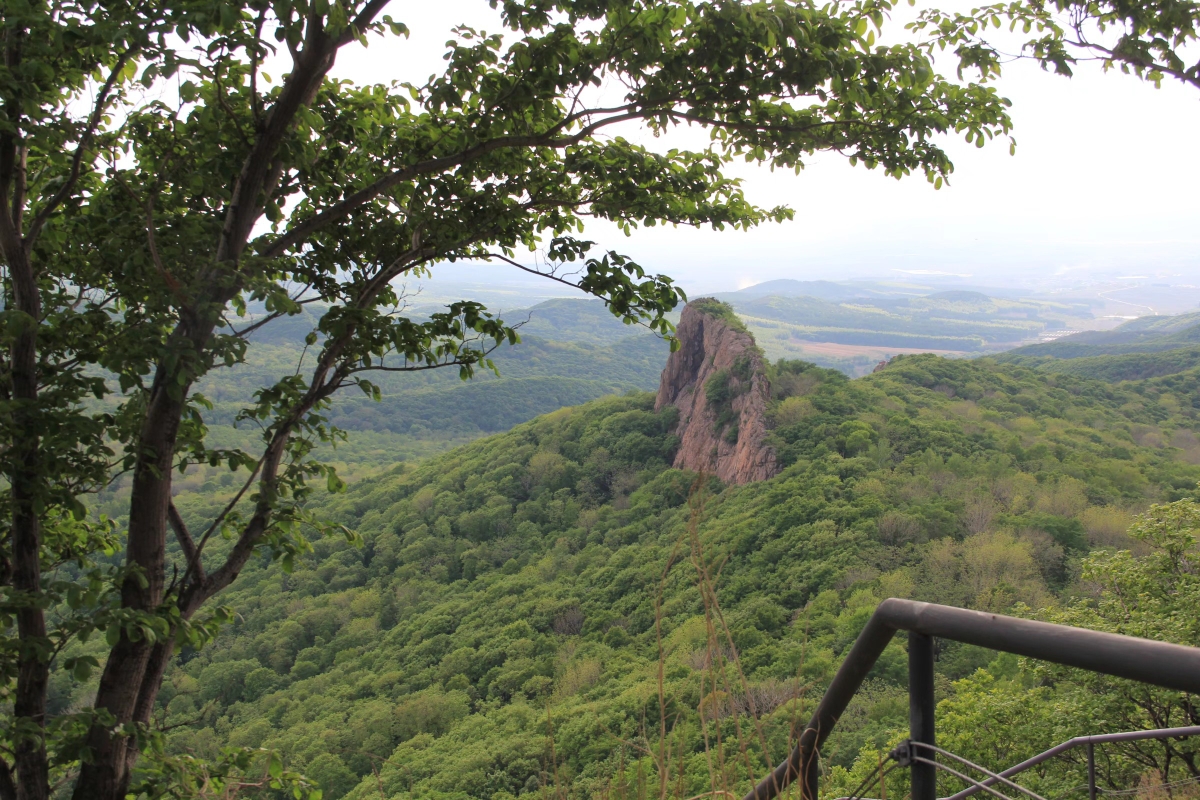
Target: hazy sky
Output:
[(1106, 180)]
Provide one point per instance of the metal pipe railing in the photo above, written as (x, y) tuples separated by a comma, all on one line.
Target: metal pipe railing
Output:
[(904, 755), (1170, 666), (1079, 741), (993, 777)]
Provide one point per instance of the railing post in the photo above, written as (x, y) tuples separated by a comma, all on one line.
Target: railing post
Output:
[(920, 714), (1170, 666), (810, 777)]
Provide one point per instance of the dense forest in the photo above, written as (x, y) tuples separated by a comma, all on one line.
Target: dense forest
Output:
[(556, 610), (570, 351), (1147, 347), (260, 540)]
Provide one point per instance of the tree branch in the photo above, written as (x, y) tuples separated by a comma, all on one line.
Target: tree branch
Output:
[(260, 521), (8, 788), (365, 18), (341, 209), (194, 596), (311, 64), (194, 564), (152, 243), (274, 315), (220, 95), (20, 185), (84, 141), (255, 107), (186, 543), (440, 365)]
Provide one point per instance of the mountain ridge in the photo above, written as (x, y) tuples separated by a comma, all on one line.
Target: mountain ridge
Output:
[(1147, 347), (525, 581)]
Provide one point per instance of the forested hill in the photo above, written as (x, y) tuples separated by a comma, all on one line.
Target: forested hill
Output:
[(554, 608), (1146, 347), (571, 351)]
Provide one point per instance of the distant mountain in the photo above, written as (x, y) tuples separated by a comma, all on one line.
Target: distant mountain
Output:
[(1128, 367), (573, 320), (561, 319), (1143, 335), (822, 290), (1146, 347), (839, 291), (1162, 324), (964, 321), (571, 351), (961, 296)]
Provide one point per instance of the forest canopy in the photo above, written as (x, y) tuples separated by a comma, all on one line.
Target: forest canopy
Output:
[(157, 182), (500, 628)]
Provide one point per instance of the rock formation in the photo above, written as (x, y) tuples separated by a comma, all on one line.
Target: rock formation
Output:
[(717, 381)]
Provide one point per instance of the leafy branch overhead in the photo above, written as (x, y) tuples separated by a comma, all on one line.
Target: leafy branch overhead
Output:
[(163, 198), (1153, 39)]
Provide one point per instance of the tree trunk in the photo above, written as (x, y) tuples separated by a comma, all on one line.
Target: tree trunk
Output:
[(24, 476), (134, 670), (156, 668), (133, 674), (33, 672)]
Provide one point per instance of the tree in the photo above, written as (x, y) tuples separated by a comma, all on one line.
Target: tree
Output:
[(139, 236), (1153, 596), (1153, 39)]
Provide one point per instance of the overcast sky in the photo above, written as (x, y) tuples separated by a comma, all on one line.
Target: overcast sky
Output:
[(1104, 182)]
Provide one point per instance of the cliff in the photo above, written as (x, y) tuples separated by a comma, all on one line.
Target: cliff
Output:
[(717, 381)]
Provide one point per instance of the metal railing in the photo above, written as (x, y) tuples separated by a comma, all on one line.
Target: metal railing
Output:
[(1090, 743), (1170, 666)]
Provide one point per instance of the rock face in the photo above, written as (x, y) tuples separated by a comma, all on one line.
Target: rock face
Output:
[(717, 381)]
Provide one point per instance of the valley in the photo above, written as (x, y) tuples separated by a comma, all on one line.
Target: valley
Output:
[(542, 399), (514, 617)]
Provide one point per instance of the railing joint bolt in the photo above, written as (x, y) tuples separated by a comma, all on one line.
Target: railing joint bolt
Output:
[(903, 753)]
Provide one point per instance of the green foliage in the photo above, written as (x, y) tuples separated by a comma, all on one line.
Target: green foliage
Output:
[(1009, 710), (1148, 347), (720, 390), (504, 597), (158, 185), (1131, 367), (718, 310), (1152, 39)]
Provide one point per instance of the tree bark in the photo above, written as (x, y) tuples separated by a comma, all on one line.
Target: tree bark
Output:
[(133, 674), (33, 670), (131, 663), (134, 671)]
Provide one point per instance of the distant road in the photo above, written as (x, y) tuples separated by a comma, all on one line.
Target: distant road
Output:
[(1124, 302)]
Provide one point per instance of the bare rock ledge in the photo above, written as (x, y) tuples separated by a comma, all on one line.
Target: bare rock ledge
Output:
[(717, 381)]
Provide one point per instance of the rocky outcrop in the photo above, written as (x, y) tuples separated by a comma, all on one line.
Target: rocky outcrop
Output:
[(717, 381)]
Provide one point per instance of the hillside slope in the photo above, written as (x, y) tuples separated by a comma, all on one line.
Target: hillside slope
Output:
[(572, 351), (1146, 347), (517, 592)]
